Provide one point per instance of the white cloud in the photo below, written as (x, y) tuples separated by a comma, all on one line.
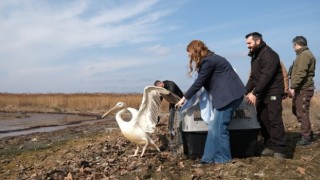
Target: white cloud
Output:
[(127, 11), (75, 45), (107, 66), (66, 28), (156, 50), (38, 38)]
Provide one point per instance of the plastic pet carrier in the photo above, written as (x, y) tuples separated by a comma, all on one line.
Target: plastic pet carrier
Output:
[(243, 130)]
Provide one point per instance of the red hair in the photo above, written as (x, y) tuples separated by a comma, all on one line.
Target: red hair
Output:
[(197, 50)]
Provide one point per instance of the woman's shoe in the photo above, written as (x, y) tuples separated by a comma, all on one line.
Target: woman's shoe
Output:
[(200, 164)]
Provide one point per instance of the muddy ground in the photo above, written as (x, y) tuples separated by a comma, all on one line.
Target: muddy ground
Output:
[(99, 151)]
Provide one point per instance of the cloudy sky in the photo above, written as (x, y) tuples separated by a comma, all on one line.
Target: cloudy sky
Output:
[(58, 46)]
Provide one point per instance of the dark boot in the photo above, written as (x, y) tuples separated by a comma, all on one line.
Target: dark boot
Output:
[(303, 141)]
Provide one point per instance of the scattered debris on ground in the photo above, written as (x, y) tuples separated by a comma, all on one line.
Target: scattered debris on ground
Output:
[(99, 151)]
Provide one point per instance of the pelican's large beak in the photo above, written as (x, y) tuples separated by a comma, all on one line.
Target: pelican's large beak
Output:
[(111, 110)]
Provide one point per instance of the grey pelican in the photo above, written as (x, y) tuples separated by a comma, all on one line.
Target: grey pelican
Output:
[(144, 120)]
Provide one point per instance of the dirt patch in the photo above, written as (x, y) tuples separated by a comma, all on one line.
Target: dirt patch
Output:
[(99, 151)]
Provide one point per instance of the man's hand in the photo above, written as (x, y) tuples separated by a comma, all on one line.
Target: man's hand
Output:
[(291, 92), (251, 98)]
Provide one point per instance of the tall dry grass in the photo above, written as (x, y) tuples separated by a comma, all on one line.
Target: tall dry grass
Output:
[(91, 103), (97, 103), (314, 106)]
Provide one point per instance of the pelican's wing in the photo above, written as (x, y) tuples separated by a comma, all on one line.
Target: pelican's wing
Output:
[(171, 97), (150, 106)]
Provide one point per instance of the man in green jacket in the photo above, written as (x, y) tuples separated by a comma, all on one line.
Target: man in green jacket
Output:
[(302, 87)]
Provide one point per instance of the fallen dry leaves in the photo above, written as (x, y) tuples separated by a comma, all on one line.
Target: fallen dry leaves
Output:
[(93, 153), (301, 170)]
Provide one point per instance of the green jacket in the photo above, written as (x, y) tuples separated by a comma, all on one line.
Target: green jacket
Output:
[(303, 70)]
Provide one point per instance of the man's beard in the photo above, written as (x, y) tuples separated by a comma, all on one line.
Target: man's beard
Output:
[(254, 47)]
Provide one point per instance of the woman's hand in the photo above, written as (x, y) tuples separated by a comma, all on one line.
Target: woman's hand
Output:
[(181, 102)]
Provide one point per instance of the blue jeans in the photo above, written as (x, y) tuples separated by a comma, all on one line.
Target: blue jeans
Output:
[(217, 148)]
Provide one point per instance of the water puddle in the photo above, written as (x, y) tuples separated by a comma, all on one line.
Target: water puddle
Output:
[(15, 124)]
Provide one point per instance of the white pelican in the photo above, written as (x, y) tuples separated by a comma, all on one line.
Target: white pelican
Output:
[(143, 121)]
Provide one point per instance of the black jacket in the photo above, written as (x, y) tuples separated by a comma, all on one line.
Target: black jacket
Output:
[(174, 88), (266, 75)]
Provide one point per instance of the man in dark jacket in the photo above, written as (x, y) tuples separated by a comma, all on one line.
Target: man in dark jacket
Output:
[(265, 89), (174, 88), (302, 87)]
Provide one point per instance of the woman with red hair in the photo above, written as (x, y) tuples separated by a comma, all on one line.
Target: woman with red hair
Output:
[(223, 84)]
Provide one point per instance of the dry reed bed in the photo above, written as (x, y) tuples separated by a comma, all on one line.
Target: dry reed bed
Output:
[(74, 103), (290, 120), (97, 103)]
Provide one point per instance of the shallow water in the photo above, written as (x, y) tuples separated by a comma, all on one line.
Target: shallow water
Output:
[(15, 124)]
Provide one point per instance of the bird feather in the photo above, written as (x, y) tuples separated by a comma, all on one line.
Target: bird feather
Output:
[(150, 106)]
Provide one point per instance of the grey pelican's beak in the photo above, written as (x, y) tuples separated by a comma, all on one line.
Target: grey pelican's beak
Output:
[(111, 110)]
